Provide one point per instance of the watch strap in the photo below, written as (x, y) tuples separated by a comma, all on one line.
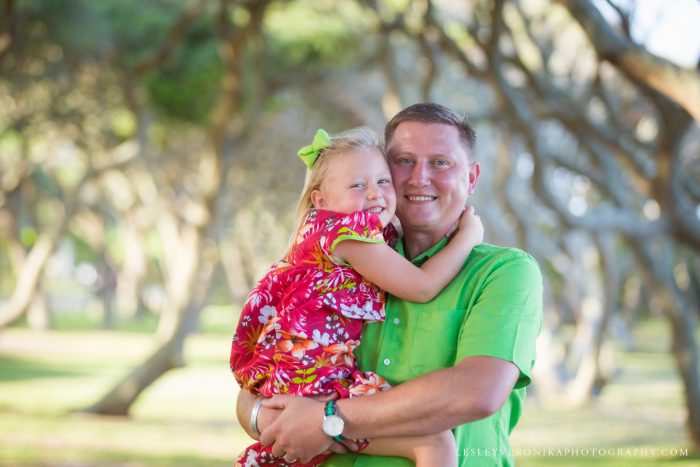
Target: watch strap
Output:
[(329, 410)]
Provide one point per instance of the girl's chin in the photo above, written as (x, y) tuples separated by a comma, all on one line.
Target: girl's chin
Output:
[(385, 219)]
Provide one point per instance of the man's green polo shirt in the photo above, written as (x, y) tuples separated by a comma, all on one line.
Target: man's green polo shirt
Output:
[(492, 308)]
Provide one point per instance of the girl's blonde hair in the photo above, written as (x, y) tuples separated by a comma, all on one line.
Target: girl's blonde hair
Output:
[(356, 138)]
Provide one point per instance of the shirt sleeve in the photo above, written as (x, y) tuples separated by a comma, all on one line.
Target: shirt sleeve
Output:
[(359, 226), (507, 316)]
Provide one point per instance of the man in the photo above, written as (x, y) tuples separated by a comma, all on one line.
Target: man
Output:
[(461, 361)]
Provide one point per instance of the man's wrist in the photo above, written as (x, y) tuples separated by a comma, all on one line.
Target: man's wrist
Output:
[(333, 423)]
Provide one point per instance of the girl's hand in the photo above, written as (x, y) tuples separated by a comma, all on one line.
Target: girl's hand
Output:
[(471, 230)]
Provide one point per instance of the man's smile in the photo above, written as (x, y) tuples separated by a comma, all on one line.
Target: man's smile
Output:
[(420, 198)]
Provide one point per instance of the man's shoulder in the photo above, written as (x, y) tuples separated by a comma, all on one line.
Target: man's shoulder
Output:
[(506, 263), (488, 252)]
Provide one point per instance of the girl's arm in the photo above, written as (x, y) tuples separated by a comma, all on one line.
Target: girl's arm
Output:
[(380, 264)]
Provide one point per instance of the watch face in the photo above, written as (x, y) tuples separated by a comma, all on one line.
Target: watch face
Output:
[(333, 425)]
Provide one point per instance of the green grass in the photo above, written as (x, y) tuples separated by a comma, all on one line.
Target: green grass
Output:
[(187, 416)]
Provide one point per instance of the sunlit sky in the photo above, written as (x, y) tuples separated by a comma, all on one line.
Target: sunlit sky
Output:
[(668, 28)]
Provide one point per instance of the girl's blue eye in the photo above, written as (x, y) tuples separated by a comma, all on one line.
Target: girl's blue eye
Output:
[(385, 181)]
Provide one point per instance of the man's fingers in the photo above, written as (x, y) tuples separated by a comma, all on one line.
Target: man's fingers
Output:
[(346, 445), (278, 451), (350, 444), (338, 448), (267, 437)]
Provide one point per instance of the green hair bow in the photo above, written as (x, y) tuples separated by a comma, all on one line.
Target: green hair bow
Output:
[(310, 153)]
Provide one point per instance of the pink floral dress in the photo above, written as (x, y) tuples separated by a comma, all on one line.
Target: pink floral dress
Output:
[(301, 323)]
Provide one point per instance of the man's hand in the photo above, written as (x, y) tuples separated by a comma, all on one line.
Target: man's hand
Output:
[(297, 432)]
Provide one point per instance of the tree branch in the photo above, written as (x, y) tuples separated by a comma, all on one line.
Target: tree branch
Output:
[(174, 36), (7, 31), (680, 85)]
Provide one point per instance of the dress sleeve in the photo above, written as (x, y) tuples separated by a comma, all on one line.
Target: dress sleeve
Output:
[(359, 226)]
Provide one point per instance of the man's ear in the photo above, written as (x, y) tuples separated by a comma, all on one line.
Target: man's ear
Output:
[(474, 171), (317, 199)]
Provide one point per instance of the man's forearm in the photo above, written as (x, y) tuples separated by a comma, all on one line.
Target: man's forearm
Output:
[(473, 389)]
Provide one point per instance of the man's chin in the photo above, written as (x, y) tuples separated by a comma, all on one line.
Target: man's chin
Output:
[(426, 222), (418, 214)]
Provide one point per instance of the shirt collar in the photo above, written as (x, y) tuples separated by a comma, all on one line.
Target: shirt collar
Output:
[(425, 256)]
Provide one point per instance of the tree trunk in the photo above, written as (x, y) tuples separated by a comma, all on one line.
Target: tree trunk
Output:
[(130, 276), (28, 280), (32, 267), (38, 314), (596, 365), (118, 400), (681, 315), (185, 262), (105, 292), (186, 301), (171, 332)]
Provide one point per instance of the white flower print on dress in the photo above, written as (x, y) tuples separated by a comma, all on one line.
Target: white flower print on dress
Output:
[(266, 313), (258, 296), (251, 459), (341, 334), (270, 334), (330, 301), (366, 311), (323, 339), (332, 321)]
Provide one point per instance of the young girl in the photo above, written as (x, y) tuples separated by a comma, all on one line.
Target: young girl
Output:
[(301, 323)]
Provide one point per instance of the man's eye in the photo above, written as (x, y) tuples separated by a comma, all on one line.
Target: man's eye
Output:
[(403, 161), (440, 163)]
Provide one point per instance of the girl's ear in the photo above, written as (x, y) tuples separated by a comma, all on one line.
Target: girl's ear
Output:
[(317, 199)]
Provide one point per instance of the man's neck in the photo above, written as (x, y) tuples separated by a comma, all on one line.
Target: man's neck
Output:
[(415, 243)]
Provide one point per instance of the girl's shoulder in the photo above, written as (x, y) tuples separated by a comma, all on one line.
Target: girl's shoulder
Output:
[(323, 228), (329, 219), (357, 223)]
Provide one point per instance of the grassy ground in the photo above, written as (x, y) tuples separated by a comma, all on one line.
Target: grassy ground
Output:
[(186, 417)]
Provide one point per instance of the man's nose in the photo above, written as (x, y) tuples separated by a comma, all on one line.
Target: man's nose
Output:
[(419, 175)]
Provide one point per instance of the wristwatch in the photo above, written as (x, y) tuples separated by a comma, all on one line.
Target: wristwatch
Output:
[(332, 423)]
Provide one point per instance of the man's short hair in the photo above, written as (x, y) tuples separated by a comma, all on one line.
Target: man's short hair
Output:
[(430, 112)]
